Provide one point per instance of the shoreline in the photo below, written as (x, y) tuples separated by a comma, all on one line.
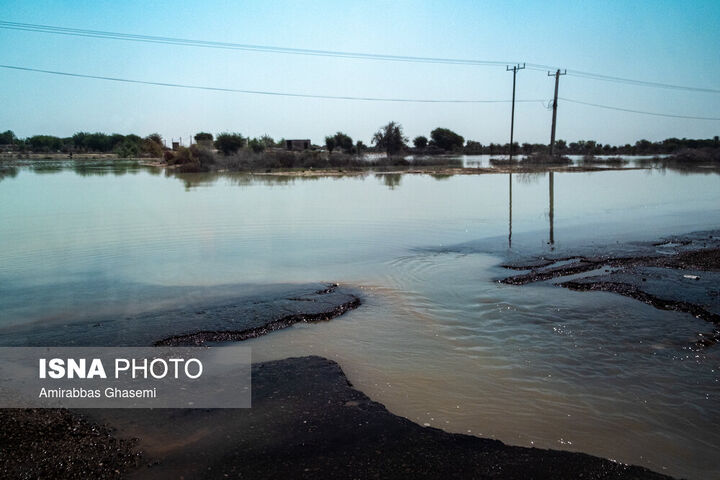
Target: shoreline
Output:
[(434, 168), (679, 273), (307, 421)]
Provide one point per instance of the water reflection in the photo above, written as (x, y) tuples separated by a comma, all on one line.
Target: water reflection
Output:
[(530, 364), (8, 171), (510, 211), (530, 178), (391, 180), (551, 215)]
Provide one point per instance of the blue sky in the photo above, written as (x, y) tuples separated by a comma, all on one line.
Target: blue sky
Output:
[(670, 42)]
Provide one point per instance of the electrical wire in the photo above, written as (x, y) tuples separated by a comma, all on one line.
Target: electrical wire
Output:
[(261, 92), (29, 27), (344, 97), (642, 112)]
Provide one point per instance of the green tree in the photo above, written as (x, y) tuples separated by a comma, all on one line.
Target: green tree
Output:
[(268, 141), (7, 137), (446, 139), (473, 147), (128, 149), (97, 142), (360, 147), (229, 143), (343, 141), (330, 143), (80, 141), (420, 142), (390, 138), (44, 143), (256, 145), (153, 145), (203, 137)]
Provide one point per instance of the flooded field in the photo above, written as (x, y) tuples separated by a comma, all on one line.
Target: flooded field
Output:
[(437, 339)]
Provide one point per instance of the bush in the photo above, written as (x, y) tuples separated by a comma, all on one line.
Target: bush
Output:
[(256, 145), (203, 136), (446, 139), (128, 149), (153, 146), (420, 142), (229, 143)]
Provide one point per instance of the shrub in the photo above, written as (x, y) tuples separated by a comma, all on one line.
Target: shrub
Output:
[(420, 142), (229, 143), (256, 145), (446, 139)]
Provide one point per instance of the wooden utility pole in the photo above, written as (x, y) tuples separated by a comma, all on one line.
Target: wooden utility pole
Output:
[(552, 133), (514, 69)]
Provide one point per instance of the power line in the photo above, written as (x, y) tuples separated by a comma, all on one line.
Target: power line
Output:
[(237, 46), (260, 92), (642, 112), (641, 83), (338, 97), (36, 28)]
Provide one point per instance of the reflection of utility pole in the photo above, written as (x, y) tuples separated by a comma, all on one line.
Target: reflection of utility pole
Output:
[(514, 69), (510, 221), (552, 207), (552, 134)]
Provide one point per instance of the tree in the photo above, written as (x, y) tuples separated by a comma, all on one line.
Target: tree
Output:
[(44, 143), (473, 147), (330, 143), (229, 143), (256, 145), (128, 149), (343, 141), (153, 145), (390, 138), (268, 141), (98, 142), (420, 142), (446, 139), (203, 137), (643, 146), (8, 137), (360, 146)]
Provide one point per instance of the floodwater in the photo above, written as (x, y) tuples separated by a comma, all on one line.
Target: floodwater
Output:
[(437, 339)]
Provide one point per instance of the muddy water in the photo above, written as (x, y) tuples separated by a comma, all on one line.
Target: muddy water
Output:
[(438, 340)]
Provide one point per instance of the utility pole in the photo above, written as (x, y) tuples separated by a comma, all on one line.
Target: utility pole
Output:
[(514, 69), (552, 133)]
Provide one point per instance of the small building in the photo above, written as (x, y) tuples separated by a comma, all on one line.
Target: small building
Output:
[(297, 144), (175, 146)]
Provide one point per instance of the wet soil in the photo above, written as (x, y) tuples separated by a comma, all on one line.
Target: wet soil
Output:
[(680, 273), (55, 443), (308, 422), (250, 312)]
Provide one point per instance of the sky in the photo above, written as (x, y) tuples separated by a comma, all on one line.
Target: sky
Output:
[(671, 42)]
